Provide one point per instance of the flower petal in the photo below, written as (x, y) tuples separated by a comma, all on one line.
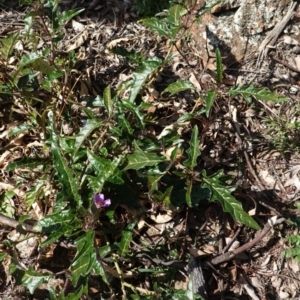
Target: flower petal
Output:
[(100, 200), (106, 203)]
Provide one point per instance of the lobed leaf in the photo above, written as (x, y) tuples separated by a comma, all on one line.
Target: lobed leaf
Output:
[(229, 203), (157, 25), (140, 77), (55, 221), (68, 15), (209, 100), (257, 93), (34, 193), (176, 11), (26, 60), (193, 151), (179, 86), (140, 159), (188, 193), (107, 101), (27, 162), (135, 109), (104, 168), (126, 239), (85, 258), (32, 279), (8, 45), (84, 133), (66, 175), (43, 66)]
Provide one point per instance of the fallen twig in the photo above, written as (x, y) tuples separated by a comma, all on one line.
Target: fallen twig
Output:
[(15, 224), (231, 254), (273, 35), (233, 239), (285, 64)]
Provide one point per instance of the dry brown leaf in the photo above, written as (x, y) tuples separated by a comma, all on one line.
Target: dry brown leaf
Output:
[(195, 82), (163, 218), (166, 131), (233, 273), (79, 40), (256, 282), (112, 44), (248, 288), (294, 179), (297, 61), (234, 245), (38, 209), (284, 295), (290, 41), (9, 187), (293, 265), (77, 26), (4, 159)]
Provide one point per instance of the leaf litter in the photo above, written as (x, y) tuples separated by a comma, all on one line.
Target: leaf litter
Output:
[(234, 122)]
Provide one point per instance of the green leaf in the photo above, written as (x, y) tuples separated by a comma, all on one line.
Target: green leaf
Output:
[(26, 162), (34, 193), (8, 45), (73, 296), (257, 93), (193, 151), (126, 239), (6, 206), (84, 133), (223, 195), (135, 109), (55, 221), (188, 197), (27, 79), (219, 66), (175, 13), (52, 293), (82, 266), (292, 252), (184, 118), (43, 66), (125, 124), (3, 256), (53, 237), (209, 100), (139, 77), (99, 270), (32, 279), (179, 86), (85, 257), (154, 180), (159, 26), (69, 14), (167, 196), (104, 168), (141, 159), (208, 5), (105, 250), (107, 101), (178, 197), (26, 60), (66, 176), (189, 293)]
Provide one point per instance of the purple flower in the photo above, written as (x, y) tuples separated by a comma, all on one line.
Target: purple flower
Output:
[(100, 201)]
